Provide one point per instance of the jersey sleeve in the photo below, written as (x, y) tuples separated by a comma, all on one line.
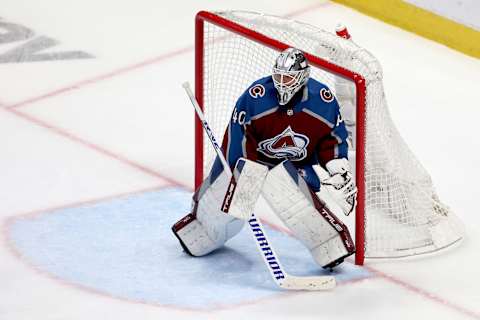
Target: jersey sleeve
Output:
[(334, 145), (238, 140)]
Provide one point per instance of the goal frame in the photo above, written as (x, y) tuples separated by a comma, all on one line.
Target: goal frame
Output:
[(358, 80)]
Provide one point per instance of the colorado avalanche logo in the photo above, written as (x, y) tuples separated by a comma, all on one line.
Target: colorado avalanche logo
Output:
[(326, 95), (287, 145), (257, 91)]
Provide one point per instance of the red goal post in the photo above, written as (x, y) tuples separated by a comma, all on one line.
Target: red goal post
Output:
[(214, 49)]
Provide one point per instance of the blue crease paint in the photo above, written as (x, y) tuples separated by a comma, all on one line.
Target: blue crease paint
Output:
[(124, 247)]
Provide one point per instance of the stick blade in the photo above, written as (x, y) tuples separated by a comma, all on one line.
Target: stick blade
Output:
[(309, 283)]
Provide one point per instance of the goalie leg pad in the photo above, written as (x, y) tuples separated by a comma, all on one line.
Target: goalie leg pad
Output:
[(212, 222), (193, 236), (327, 238), (244, 188), (199, 239)]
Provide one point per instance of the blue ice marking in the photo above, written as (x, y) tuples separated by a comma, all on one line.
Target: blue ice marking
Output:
[(124, 248)]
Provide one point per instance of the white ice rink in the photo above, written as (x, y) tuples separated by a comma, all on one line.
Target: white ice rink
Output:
[(79, 137)]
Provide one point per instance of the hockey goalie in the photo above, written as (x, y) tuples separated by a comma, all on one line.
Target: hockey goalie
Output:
[(287, 141)]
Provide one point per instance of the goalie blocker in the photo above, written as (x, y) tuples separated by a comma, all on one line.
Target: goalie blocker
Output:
[(221, 205)]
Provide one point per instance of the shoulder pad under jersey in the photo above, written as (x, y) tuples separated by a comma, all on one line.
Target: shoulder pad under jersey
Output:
[(321, 101), (260, 96)]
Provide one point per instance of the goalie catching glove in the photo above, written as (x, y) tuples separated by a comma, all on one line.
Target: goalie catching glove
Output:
[(338, 185)]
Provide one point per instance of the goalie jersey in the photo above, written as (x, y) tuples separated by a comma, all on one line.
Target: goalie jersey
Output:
[(308, 130)]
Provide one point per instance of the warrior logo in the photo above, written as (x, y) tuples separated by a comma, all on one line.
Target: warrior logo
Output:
[(287, 145)]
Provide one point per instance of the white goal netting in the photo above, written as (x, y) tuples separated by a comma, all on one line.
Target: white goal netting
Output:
[(403, 215)]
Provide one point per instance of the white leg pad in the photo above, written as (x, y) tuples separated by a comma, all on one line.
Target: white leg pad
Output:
[(310, 221), (195, 237), (329, 251), (209, 227), (244, 190)]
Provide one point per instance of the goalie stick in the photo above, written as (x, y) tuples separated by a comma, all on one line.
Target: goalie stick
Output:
[(281, 278)]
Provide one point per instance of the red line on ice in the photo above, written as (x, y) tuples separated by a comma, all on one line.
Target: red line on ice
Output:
[(93, 146), (127, 69), (106, 76), (37, 212), (424, 293)]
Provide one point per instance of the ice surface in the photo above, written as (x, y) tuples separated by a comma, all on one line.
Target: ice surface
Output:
[(124, 248), (87, 146)]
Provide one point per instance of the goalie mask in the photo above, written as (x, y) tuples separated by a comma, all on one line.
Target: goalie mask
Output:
[(290, 74)]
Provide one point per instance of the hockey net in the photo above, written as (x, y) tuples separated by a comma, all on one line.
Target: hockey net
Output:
[(398, 212)]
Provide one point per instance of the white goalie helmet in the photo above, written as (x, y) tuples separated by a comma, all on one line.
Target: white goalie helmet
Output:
[(290, 74)]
